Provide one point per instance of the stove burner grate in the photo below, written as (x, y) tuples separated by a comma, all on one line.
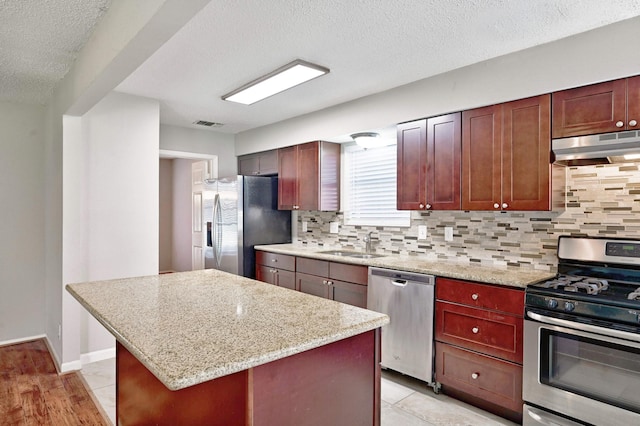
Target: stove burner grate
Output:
[(575, 284)]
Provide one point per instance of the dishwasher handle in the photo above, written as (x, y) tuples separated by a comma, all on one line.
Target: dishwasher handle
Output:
[(394, 275), (399, 283)]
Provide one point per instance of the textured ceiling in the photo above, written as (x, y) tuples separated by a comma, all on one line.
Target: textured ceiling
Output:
[(369, 45), (39, 40)]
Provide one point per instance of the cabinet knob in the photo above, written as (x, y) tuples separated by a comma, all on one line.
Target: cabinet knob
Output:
[(296, 207), (475, 376), (324, 282), (475, 330), (428, 206), (421, 206), (633, 123), (505, 205), (619, 124), (274, 260), (496, 206), (474, 296)]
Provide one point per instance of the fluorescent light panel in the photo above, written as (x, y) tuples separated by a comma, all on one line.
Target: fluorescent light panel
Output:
[(284, 78)]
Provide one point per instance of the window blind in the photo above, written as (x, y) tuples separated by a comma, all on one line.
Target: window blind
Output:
[(370, 187)]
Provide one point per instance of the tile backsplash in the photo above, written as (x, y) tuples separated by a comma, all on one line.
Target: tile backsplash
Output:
[(601, 201)]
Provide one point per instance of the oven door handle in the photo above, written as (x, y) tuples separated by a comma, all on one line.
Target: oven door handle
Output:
[(611, 332)]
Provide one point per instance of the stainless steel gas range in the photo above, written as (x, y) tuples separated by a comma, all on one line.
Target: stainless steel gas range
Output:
[(582, 336)]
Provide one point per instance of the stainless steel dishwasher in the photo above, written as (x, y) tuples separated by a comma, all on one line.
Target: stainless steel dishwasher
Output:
[(407, 341)]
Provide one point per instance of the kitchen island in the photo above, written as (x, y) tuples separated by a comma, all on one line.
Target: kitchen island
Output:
[(207, 347)]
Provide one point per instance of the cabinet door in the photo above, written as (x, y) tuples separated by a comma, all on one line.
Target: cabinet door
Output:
[(249, 165), (286, 279), (633, 103), (526, 154), (444, 149), (312, 284), (484, 331), (308, 176), (287, 178), (598, 108), (481, 168), (265, 274), (329, 169), (497, 382), (268, 164), (412, 166), (350, 293)]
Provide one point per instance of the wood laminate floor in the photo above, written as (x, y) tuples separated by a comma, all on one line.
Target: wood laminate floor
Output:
[(32, 392)]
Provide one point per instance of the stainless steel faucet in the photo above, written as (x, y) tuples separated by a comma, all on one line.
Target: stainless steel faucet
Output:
[(367, 241)]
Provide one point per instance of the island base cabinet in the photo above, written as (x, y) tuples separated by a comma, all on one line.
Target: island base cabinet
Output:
[(336, 384), (486, 382)]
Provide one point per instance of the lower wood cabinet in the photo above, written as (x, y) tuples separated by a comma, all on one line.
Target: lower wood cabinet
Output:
[(276, 269), (487, 381), (341, 282), (332, 280), (478, 332)]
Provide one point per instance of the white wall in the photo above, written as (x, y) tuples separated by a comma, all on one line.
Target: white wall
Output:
[(110, 226), (174, 138), (586, 58), (126, 36), (22, 216)]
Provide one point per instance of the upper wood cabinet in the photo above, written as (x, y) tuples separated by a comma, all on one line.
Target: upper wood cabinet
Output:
[(309, 177), (259, 164), (598, 108), (429, 153), (506, 156)]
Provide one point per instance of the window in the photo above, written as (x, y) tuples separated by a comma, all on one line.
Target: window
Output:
[(370, 187)]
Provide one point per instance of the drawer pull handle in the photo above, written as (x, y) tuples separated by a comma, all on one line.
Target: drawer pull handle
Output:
[(474, 376), (474, 296), (475, 330), (274, 260)]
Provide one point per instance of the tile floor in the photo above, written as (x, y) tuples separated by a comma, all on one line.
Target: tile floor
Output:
[(405, 401)]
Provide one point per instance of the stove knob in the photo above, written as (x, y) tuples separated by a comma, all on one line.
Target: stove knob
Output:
[(552, 303), (569, 306)]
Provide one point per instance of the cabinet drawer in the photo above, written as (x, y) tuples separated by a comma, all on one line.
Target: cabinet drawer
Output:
[(312, 266), (352, 294), (481, 295), (493, 333), (350, 273), (493, 380), (280, 261)]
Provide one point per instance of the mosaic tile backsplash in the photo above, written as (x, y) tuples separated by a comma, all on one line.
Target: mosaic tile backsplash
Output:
[(601, 201)]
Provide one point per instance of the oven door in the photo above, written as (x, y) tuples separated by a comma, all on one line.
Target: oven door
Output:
[(581, 371)]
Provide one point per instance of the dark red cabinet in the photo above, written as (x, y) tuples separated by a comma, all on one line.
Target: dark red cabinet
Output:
[(429, 153), (309, 177)]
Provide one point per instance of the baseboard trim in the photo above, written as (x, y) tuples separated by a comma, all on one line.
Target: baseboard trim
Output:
[(22, 340), (97, 356)]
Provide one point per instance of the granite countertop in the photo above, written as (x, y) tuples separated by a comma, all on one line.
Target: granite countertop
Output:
[(507, 276), (191, 327)]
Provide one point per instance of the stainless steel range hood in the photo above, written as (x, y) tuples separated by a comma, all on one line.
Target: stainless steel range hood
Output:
[(597, 149)]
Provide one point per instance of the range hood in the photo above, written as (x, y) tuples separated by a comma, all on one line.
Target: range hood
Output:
[(606, 148)]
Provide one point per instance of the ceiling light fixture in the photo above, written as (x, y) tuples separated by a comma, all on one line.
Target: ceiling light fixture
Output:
[(283, 78), (369, 140), (632, 156)]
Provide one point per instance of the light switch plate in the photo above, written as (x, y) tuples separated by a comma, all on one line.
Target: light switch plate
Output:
[(422, 232), (448, 233), (333, 227), (304, 226)]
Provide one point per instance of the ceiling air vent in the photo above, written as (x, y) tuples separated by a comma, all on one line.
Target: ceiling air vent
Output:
[(208, 123)]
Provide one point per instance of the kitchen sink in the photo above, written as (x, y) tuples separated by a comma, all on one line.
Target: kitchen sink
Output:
[(364, 255), (351, 254)]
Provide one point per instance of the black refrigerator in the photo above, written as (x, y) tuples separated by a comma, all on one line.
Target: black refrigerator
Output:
[(239, 213)]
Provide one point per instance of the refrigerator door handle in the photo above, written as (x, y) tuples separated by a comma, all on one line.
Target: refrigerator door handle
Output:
[(217, 229)]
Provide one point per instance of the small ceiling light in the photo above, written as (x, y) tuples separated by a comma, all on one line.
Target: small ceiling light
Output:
[(369, 140), (632, 156), (283, 78)]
